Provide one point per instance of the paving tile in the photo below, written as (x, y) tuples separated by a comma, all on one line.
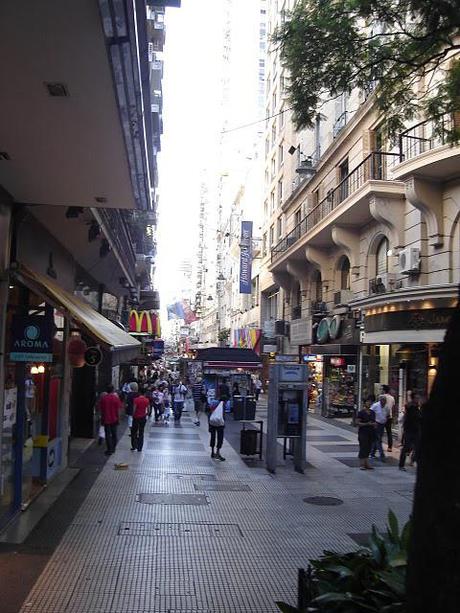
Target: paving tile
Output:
[(211, 536)]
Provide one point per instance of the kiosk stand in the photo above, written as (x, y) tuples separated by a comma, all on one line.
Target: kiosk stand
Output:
[(287, 413)]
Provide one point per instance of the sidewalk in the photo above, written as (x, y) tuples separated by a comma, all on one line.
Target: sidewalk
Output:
[(178, 532)]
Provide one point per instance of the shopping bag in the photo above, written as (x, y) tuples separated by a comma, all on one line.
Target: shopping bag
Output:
[(101, 432), (217, 416), (130, 421)]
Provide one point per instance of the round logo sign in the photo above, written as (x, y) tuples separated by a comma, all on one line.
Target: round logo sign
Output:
[(93, 356), (32, 333)]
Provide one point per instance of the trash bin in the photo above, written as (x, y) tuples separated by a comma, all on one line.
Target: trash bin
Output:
[(238, 407), (248, 442), (250, 408)]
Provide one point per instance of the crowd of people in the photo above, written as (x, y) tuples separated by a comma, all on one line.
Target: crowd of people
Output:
[(160, 396), (376, 419)]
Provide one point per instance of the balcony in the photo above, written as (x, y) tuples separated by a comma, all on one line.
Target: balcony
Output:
[(376, 166), (425, 149)]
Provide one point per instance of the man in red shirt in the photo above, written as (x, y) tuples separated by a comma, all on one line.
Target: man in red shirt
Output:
[(141, 405), (110, 405)]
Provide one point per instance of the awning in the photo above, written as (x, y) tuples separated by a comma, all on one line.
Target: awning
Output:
[(228, 358), (95, 324)]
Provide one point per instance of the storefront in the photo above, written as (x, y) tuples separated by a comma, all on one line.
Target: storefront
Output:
[(333, 363), (42, 323), (401, 350)]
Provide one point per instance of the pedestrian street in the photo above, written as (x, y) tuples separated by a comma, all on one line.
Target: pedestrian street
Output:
[(179, 532)]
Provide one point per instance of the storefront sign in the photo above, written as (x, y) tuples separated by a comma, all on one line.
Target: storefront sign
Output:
[(338, 362), (301, 331), (93, 356), (31, 339), (246, 258), (417, 319)]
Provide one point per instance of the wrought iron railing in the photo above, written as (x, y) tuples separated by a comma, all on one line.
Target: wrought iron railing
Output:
[(375, 166), (120, 234), (425, 136)]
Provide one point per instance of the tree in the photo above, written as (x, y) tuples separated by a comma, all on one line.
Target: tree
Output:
[(335, 46)]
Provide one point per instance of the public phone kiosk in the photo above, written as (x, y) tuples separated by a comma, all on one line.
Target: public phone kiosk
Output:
[(287, 412)]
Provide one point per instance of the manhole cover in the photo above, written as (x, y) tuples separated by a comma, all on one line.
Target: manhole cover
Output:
[(221, 487), (194, 476), (180, 499), (325, 501)]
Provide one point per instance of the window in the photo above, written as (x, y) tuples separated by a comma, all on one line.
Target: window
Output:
[(281, 120), (273, 134), (280, 156), (274, 102), (272, 236), (381, 257), (267, 178), (265, 209), (255, 292), (345, 274), (264, 245), (343, 174), (267, 146), (272, 202), (273, 167), (280, 191), (279, 227), (317, 293), (297, 217), (272, 306)]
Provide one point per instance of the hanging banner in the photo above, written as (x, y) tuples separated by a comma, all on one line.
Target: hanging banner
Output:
[(246, 258)]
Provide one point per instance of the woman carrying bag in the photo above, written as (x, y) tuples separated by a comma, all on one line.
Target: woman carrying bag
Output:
[(216, 428)]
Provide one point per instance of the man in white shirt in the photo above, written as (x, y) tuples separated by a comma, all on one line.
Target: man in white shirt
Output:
[(390, 403), (381, 412)]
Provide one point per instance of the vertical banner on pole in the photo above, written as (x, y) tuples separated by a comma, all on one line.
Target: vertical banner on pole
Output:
[(246, 257)]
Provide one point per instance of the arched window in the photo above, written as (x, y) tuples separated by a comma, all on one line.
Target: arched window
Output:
[(381, 257), (345, 273)]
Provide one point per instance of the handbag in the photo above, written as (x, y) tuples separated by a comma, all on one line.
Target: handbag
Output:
[(216, 418)]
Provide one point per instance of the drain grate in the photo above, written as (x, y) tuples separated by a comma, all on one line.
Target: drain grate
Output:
[(181, 529), (178, 499), (326, 501), (194, 476), (222, 487)]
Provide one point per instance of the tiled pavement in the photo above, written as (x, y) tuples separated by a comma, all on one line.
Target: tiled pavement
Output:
[(218, 537)]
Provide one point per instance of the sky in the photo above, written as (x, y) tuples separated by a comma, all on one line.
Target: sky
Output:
[(193, 118)]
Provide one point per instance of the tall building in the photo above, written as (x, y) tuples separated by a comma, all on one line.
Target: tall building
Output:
[(360, 245), (78, 207)]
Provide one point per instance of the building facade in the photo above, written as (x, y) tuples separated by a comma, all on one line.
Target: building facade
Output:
[(78, 207), (360, 246)]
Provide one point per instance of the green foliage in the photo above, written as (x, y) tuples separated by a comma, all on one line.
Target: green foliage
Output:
[(224, 335), (392, 46), (370, 580)]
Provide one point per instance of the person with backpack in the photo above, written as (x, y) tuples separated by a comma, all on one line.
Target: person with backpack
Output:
[(178, 392), (141, 406)]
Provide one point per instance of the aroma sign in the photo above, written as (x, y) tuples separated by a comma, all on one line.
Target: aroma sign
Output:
[(31, 339)]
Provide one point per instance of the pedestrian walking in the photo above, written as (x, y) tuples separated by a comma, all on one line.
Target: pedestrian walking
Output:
[(179, 391), (132, 394), (110, 405), (216, 428), (365, 420), (198, 393), (158, 404), (391, 405), (140, 410), (380, 410), (412, 424), (257, 388)]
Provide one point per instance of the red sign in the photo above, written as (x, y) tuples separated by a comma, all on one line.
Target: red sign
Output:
[(337, 361)]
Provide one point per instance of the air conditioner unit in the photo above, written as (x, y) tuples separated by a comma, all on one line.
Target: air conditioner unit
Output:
[(409, 260), (343, 297)]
